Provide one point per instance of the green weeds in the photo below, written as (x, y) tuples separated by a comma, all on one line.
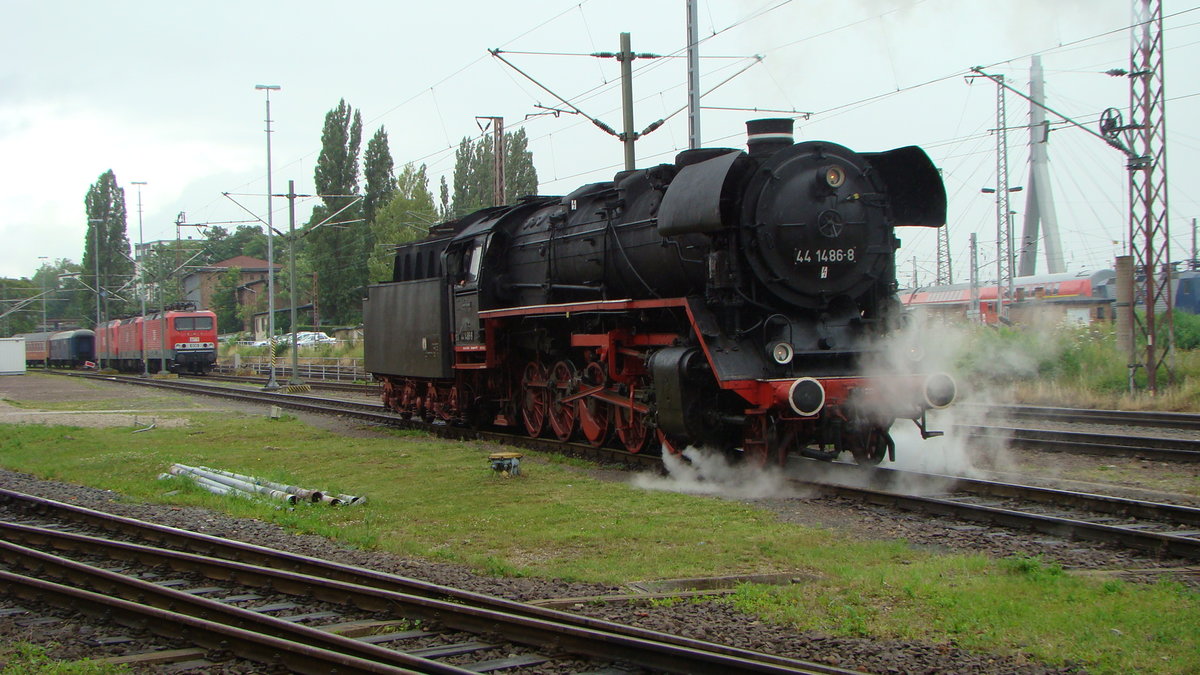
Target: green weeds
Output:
[(440, 500), (23, 658)]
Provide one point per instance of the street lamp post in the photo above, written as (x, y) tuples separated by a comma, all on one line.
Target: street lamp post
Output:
[(271, 384), (137, 263), (45, 327), (1004, 246)]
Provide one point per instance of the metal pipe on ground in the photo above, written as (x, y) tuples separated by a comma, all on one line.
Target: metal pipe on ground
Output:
[(217, 488), (204, 483), (236, 484), (303, 493)]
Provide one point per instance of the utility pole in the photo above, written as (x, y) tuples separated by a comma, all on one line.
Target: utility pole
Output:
[(693, 72), (1004, 247), (294, 382), (1144, 145), (137, 263), (975, 313), (945, 275), (627, 134), (1192, 264), (1150, 230), (180, 223), (271, 384), (626, 57), (499, 188), (96, 266), (45, 326), (498, 151)]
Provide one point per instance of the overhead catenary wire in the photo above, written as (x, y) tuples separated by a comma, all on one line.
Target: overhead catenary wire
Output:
[(446, 151)]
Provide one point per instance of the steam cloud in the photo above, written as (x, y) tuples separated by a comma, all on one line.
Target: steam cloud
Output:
[(710, 473)]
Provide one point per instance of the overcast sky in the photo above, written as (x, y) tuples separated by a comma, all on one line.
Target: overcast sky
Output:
[(163, 92)]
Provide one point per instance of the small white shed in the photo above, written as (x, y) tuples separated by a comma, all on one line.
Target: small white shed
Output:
[(12, 356)]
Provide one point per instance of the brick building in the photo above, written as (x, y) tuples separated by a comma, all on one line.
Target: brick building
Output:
[(200, 284)]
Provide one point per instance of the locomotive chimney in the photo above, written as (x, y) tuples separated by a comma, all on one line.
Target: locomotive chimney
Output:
[(767, 136)]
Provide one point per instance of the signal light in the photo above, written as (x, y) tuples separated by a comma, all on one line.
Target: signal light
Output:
[(782, 352)]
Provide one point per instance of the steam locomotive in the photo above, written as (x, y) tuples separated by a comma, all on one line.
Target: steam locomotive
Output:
[(733, 300)]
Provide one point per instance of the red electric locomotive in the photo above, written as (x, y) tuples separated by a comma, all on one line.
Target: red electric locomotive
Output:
[(180, 339)]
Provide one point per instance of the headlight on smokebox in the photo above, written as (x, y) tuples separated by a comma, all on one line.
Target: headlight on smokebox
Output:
[(782, 353), (834, 176)]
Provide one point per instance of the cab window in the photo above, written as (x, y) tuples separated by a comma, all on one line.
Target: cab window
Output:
[(474, 260), (194, 323)]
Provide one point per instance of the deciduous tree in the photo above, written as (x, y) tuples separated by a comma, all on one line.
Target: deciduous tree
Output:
[(339, 253), (106, 247), (407, 216), (221, 244), (378, 172), (225, 301), (474, 171)]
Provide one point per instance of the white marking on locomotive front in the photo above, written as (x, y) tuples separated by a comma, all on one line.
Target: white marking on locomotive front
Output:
[(824, 272)]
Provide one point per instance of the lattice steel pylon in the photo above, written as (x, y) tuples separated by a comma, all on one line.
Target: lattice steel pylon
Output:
[(945, 275), (1149, 225), (1004, 243)]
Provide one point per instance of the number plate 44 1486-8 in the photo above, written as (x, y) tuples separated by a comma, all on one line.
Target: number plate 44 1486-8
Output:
[(825, 255)]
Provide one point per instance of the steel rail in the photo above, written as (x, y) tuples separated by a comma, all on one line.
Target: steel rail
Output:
[(1182, 546), (456, 608), (297, 657), (316, 383), (1115, 444), (378, 414), (1144, 418), (145, 592), (1133, 536)]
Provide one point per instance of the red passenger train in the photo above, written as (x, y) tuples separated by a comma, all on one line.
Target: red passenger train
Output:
[(186, 339)]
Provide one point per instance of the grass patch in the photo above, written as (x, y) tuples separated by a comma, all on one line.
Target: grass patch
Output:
[(1015, 605), (1070, 365), (1159, 477), (23, 658), (440, 500)]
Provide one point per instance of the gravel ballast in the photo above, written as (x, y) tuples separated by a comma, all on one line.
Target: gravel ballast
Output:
[(713, 620)]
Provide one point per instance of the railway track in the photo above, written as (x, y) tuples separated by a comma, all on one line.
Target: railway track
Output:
[(315, 616), (376, 413), (325, 385), (1160, 529), (1129, 418), (1157, 528), (1107, 444)]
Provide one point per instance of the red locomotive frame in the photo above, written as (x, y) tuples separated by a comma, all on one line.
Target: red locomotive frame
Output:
[(597, 393)]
